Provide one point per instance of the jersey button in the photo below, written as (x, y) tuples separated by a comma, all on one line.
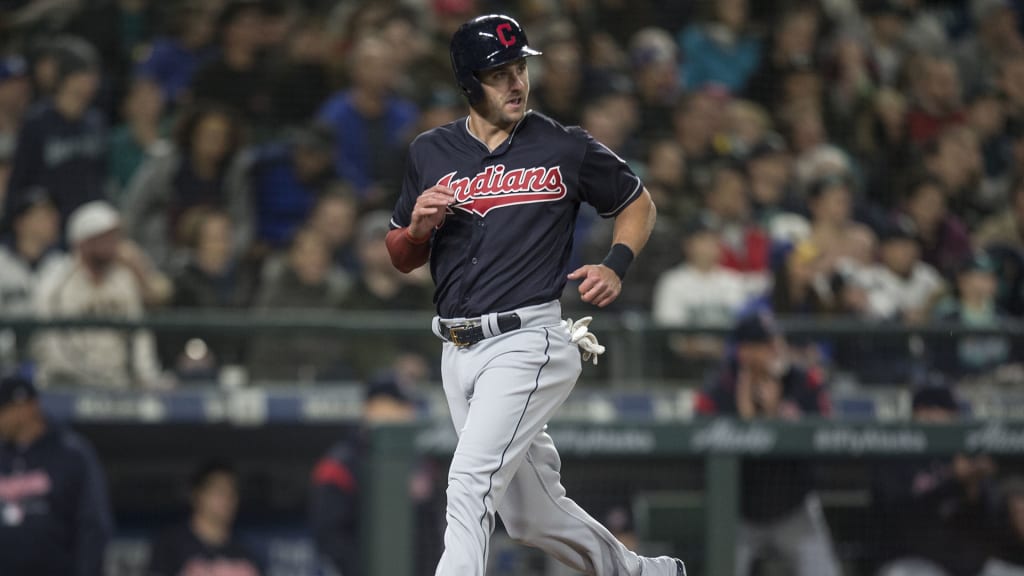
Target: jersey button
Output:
[(481, 224), (474, 260)]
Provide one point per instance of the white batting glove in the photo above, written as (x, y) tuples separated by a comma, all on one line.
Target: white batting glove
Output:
[(582, 337)]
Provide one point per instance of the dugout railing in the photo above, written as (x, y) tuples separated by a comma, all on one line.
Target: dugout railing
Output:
[(638, 354), (717, 444)]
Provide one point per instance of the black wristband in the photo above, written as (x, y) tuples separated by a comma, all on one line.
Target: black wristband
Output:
[(618, 259)]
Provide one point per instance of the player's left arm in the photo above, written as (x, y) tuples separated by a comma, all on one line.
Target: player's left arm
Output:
[(607, 183), (602, 283)]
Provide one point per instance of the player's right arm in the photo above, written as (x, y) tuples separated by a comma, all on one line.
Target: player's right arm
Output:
[(417, 213)]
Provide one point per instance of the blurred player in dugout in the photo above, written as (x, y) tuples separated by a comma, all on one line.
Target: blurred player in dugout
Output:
[(780, 512), (55, 516), (335, 493)]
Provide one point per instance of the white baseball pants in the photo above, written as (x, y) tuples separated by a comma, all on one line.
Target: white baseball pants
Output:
[(502, 392)]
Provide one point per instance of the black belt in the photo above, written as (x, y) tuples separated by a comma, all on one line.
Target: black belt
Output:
[(471, 332)]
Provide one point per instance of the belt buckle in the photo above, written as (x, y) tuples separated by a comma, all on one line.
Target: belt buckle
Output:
[(453, 336)]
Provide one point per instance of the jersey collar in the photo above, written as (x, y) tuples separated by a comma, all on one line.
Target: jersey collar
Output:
[(504, 145)]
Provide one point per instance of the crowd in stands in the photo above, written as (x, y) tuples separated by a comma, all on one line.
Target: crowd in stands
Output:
[(836, 159)]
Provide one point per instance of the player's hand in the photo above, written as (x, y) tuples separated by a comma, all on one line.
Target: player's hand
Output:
[(429, 211), (600, 284)]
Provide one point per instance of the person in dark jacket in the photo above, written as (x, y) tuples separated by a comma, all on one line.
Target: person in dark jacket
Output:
[(335, 495), (933, 510), (55, 516), (779, 508), (62, 145), (206, 544)]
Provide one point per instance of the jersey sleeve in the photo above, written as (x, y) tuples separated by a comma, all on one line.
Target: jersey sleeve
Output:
[(411, 189), (606, 181)]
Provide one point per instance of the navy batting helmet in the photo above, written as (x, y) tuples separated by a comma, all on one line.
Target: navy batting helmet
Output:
[(483, 43)]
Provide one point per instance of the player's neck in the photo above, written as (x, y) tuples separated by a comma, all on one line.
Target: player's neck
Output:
[(492, 135)]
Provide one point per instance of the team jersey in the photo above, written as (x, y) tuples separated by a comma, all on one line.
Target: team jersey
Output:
[(505, 242)]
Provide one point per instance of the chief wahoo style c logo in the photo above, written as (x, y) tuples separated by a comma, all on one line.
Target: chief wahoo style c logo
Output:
[(502, 29)]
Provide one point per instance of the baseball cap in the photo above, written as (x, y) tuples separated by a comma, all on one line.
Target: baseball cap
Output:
[(699, 225), (13, 67), (314, 136), (28, 199), (977, 262), (897, 229), (934, 397), (770, 145), (755, 328), (74, 55), (16, 388), (90, 220), (385, 385)]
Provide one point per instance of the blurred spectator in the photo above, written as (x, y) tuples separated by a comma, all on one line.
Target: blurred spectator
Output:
[(371, 124), (441, 105), (794, 43), (206, 543), (174, 59), (745, 247), (883, 148), (62, 144), (299, 80), (305, 284), (120, 30), (1007, 556), (1010, 83), (611, 118), (334, 218), (942, 236), (336, 494), (887, 22), (901, 287), (559, 93), (1006, 228), (780, 512), (57, 517), (284, 180), (801, 285), (379, 285), (695, 122), (747, 124), (851, 83), (25, 257), (142, 134), (107, 277), (980, 358), (654, 63), (937, 102), (211, 279), (986, 116), (770, 168), (190, 175), (15, 96), (932, 509), (954, 159), (237, 77), (664, 176), (700, 292), (996, 37), (830, 200), (721, 51)]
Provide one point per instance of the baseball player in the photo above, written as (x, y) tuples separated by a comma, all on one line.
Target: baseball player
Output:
[(491, 200)]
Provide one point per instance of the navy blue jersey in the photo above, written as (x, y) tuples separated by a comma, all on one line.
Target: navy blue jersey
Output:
[(506, 240)]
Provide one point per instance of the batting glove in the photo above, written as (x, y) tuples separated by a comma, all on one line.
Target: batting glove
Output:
[(582, 337)]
